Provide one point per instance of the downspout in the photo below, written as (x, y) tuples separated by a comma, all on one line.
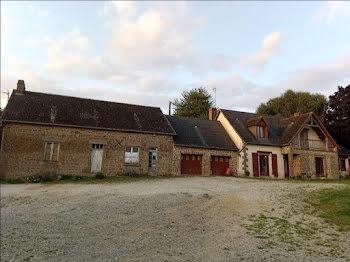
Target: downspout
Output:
[(245, 159)]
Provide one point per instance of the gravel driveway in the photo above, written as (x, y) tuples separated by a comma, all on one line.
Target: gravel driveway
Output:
[(175, 219)]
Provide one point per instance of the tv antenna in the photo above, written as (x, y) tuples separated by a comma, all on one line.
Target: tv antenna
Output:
[(214, 89)]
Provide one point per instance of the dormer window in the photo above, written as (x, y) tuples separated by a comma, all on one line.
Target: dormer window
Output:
[(258, 127), (260, 132)]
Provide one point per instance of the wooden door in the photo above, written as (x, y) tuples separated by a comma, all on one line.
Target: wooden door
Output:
[(96, 158), (219, 165), (319, 166), (191, 164), (255, 158), (286, 166), (264, 165), (274, 165)]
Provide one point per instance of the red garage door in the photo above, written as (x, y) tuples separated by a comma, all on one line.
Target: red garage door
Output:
[(191, 164), (219, 165)]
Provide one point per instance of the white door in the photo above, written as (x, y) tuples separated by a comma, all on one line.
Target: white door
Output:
[(96, 158)]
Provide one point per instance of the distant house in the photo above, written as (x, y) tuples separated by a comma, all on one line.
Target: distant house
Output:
[(202, 147), (70, 135), (272, 146)]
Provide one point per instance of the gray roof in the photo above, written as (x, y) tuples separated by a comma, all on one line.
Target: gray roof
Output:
[(239, 120), (48, 109), (194, 132)]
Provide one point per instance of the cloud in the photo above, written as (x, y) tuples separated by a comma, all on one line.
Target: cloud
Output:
[(157, 37), (35, 42), (236, 92), (66, 54), (330, 10), (270, 47)]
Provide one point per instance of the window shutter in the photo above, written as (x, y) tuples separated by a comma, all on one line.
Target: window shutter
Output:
[(255, 164), (274, 165)]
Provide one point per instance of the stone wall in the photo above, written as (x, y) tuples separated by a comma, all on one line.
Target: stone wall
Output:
[(307, 165), (23, 150), (206, 158)]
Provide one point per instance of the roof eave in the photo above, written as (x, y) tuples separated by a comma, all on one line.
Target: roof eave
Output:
[(88, 127)]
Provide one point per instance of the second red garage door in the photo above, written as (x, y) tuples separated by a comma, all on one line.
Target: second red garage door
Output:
[(219, 165), (191, 164)]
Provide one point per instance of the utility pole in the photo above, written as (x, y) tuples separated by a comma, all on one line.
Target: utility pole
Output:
[(8, 96)]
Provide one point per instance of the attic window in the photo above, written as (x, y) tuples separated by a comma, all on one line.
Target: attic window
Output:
[(260, 132)]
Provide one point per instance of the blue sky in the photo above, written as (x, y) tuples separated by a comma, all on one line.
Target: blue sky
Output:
[(150, 52)]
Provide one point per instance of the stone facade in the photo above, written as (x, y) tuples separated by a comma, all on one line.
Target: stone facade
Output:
[(303, 162), (206, 158), (23, 150)]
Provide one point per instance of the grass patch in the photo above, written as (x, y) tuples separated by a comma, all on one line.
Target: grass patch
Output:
[(334, 206)]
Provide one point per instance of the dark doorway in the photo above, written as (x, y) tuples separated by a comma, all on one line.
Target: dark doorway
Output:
[(319, 166), (286, 166), (264, 165)]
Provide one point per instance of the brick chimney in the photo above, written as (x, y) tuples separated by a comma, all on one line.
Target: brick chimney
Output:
[(296, 114), (212, 113), (20, 87)]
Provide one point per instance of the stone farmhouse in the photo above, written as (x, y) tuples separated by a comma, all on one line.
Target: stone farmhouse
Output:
[(45, 133)]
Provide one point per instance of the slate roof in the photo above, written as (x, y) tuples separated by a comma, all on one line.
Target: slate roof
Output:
[(280, 130), (40, 108), (194, 132)]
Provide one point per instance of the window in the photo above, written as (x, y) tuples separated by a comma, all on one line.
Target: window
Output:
[(342, 164), (260, 131), (51, 151), (131, 155), (97, 146)]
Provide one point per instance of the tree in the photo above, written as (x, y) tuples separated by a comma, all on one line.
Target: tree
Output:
[(292, 102), (194, 103), (338, 116)]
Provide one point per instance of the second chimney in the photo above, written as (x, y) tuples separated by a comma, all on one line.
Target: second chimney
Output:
[(20, 87), (212, 113)]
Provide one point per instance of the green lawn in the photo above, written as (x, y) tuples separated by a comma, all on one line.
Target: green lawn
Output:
[(334, 206)]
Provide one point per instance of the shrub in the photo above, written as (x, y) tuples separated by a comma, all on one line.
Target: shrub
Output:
[(130, 173), (33, 179), (15, 181), (99, 175), (66, 177), (48, 177)]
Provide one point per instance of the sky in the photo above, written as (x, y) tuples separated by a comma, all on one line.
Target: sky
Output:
[(148, 53)]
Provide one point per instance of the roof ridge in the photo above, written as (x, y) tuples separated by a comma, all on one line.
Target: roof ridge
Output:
[(97, 100)]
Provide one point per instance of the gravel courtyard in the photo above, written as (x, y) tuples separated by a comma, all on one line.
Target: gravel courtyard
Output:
[(175, 219)]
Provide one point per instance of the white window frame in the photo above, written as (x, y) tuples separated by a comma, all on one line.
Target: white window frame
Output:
[(260, 131), (51, 144), (131, 155)]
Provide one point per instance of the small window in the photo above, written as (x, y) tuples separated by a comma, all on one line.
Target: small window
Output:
[(193, 157), (131, 155), (51, 151), (187, 157), (260, 131), (97, 146), (198, 157), (342, 166)]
